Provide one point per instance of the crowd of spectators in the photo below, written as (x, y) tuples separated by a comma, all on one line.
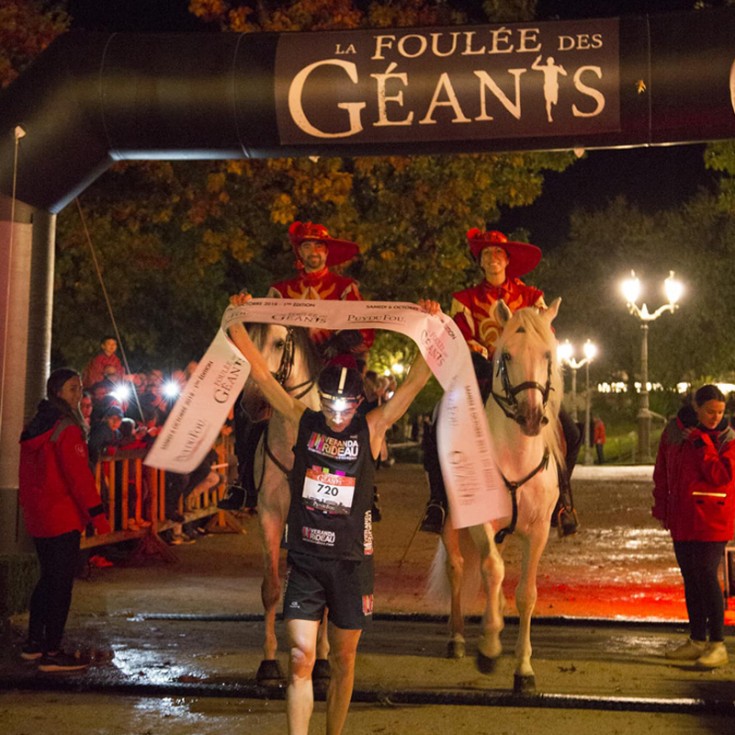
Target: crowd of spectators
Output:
[(125, 412)]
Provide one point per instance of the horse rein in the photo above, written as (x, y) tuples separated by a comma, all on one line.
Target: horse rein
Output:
[(508, 404), (513, 490)]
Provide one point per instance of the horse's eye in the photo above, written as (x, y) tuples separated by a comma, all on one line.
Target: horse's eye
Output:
[(547, 356), (507, 357), (279, 344)]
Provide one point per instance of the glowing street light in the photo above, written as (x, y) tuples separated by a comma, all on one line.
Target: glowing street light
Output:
[(565, 352), (631, 289)]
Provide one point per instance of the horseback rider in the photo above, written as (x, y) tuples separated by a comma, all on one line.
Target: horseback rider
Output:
[(475, 311), (316, 252)]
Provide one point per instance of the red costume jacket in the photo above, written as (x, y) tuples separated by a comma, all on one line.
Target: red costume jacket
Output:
[(694, 490), (474, 310), (57, 489), (323, 285), (95, 370)]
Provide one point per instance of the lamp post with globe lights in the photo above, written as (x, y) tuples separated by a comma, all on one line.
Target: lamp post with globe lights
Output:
[(631, 288), (565, 352)]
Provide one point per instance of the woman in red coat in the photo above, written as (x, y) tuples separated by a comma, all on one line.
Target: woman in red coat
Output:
[(59, 498), (694, 498)]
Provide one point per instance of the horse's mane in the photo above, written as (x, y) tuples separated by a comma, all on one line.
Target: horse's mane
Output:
[(305, 344), (530, 321)]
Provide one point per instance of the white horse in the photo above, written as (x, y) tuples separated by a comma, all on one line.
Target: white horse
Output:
[(522, 412), (292, 359)]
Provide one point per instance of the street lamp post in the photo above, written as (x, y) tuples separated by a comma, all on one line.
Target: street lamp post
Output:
[(566, 356), (631, 289)]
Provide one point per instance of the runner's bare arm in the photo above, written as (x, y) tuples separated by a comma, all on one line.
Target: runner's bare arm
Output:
[(291, 408)]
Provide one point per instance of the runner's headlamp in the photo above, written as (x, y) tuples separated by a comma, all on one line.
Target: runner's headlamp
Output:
[(339, 402)]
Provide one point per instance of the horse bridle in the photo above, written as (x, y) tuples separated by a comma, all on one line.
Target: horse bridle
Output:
[(508, 404), (507, 400), (282, 374)]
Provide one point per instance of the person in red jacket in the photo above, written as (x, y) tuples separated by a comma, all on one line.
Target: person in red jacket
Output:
[(694, 498), (59, 498), (105, 364)]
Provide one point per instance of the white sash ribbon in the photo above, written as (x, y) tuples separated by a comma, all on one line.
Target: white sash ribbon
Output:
[(474, 486)]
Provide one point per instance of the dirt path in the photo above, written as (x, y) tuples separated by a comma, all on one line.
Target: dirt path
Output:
[(173, 675)]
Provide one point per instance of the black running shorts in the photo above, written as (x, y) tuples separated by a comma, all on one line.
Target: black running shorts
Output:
[(344, 587)]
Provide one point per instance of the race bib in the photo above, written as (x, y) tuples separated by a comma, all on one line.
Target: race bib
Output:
[(330, 493)]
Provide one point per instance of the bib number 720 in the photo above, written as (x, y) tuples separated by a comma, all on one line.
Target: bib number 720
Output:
[(324, 489)]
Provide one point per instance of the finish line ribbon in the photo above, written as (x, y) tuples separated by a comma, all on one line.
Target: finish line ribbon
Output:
[(474, 487)]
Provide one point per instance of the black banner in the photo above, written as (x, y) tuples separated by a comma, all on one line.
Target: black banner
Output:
[(439, 84), (91, 99)]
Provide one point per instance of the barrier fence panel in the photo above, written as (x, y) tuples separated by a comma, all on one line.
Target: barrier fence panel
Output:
[(134, 496)]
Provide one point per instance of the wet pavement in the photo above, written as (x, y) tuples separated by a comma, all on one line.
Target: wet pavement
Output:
[(178, 644)]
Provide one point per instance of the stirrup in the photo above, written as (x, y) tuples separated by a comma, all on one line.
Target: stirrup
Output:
[(434, 517)]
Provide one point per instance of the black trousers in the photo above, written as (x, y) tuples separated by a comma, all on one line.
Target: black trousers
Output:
[(51, 599), (699, 562)]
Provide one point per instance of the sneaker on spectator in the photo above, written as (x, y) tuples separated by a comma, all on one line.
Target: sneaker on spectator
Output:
[(180, 539), (60, 661), (690, 650), (714, 656), (31, 651), (100, 562)]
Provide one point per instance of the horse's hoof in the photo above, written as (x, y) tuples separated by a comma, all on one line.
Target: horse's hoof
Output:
[(524, 684), (456, 649), (485, 664), (269, 674), (322, 671)]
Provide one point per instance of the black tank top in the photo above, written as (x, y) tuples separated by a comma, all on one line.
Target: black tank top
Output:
[(331, 490)]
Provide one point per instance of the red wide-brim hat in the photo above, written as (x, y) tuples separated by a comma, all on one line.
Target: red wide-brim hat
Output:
[(522, 256), (338, 251)]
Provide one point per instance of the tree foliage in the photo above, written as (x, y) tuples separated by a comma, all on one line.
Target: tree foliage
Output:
[(27, 27), (173, 239)]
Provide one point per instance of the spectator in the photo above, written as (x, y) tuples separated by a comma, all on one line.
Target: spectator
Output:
[(105, 435), (85, 407), (599, 438), (694, 498), (104, 364), (154, 404), (179, 489), (102, 399), (59, 498)]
